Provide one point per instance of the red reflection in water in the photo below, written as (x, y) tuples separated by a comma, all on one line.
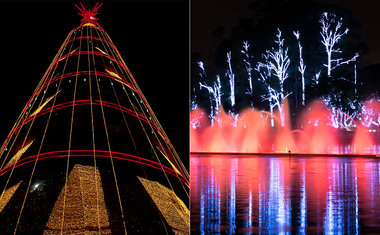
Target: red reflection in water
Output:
[(256, 194), (251, 132)]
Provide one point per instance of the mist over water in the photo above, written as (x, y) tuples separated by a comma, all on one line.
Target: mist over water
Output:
[(314, 132)]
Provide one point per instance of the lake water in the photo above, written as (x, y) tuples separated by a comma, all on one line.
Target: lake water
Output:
[(256, 194)]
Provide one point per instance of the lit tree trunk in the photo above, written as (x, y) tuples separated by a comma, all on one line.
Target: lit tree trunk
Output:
[(302, 66), (355, 80), (331, 33), (212, 93), (275, 66), (231, 77), (248, 66)]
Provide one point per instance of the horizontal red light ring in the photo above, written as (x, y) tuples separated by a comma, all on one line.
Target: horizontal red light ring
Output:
[(86, 102), (82, 25), (62, 46), (141, 117), (82, 53), (117, 52), (86, 153), (124, 66), (92, 38), (79, 73), (55, 61), (90, 153), (87, 53)]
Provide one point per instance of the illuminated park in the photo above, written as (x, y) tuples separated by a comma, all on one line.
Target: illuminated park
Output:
[(339, 121), (285, 119)]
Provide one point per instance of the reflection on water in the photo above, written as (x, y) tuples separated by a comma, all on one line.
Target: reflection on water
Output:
[(255, 194)]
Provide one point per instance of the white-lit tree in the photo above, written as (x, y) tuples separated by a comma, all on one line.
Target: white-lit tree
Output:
[(214, 90), (273, 73), (231, 78), (301, 66), (194, 103), (370, 116), (332, 33), (341, 116), (355, 79), (247, 59)]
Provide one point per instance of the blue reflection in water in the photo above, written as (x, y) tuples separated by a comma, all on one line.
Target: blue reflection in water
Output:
[(250, 209), (281, 195), (202, 212), (356, 204), (277, 210), (232, 198), (342, 212), (210, 201), (303, 206), (261, 207)]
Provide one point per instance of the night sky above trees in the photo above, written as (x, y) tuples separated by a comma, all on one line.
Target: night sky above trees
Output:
[(269, 42), (227, 13)]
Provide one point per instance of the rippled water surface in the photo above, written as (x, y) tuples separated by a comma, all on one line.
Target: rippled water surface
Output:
[(256, 194)]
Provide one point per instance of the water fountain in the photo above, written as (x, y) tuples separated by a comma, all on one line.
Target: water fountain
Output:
[(251, 132)]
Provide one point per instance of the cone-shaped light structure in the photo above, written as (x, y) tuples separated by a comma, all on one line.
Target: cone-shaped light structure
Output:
[(87, 154)]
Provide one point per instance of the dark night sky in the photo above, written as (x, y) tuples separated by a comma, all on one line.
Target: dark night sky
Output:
[(208, 15), (152, 37)]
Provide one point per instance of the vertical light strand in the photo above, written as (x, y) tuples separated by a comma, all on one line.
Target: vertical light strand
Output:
[(42, 81), (151, 113), (109, 148), (154, 118), (161, 217), (70, 136), (10, 175), (160, 143), (122, 113), (147, 137), (35, 163), (93, 132)]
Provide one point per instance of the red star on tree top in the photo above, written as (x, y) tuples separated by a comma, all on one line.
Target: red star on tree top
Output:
[(89, 15)]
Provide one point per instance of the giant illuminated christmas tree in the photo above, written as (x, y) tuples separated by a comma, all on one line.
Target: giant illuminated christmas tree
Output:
[(87, 154)]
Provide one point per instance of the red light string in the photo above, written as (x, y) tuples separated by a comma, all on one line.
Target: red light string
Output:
[(84, 73), (87, 53), (86, 102), (90, 153)]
